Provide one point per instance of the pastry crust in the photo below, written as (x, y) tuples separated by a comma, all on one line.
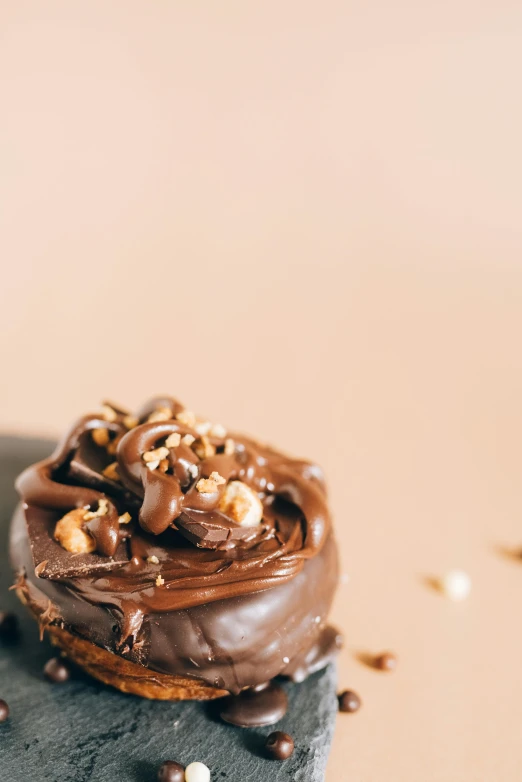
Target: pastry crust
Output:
[(123, 674)]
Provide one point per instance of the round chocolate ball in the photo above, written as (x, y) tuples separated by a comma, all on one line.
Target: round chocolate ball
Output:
[(349, 701), (279, 745), (170, 771), (386, 661), (4, 711), (8, 625), (56, 671)]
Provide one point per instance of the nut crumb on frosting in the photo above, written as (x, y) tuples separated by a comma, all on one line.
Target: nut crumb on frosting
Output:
[(188, 439), (230, 446), (153, 559), (210, 485), (159, 581), (186, 417), (109, 414), (70, 534), (112, 445), (124, 518), (218, 430), (156, 454), (130, 421), (173, 440), (111, 471), (202, 427), (102, 510), (100, 437), (241, 504), (161, 414), (204, 448)]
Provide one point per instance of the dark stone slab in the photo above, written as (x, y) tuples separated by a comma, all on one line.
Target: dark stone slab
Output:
[(82, 730)]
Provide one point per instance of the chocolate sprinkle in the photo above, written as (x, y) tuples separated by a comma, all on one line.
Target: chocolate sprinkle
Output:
[(279, 745), (349, 701), (4, 711), (56, 671), (170, 771)]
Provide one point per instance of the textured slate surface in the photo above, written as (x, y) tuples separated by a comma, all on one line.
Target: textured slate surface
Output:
[(82, 730)]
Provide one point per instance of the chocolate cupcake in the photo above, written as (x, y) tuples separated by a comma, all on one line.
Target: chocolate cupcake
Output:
[(174, 560)]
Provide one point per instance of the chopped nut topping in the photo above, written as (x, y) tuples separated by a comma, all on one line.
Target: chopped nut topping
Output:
[(109, 414), (241, 504), (111, 471), (230, 446), (204, 448), (217, 430), (153, 560), (156, 454), (173, 440), (102, 510), (193, 471), (130, 421), (161, 414), (112, 446), (188, 439), (203, 427), (152, 465), (160, 581), (164, 465), (186, 417), (210, 485), (70, 534), (125, 518), (100, 436)]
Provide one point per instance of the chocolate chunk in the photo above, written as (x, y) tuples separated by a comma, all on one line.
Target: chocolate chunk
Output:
[(386, 661), (8, 626), (87, 466), (170, 771), (279, 745), (349, 701), (54, 562), (4, 711), (212, 529), (56, 671), (262, 705)]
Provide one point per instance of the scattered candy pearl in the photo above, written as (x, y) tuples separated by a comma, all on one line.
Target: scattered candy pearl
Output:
[(279, 745), (197, 772), (170, 771), (386, 661), (456, 585), (4, 711), (56, 671), (349, 701)]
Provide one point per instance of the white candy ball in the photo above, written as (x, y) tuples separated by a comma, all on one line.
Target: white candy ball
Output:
[(456, 585), (197, 772)]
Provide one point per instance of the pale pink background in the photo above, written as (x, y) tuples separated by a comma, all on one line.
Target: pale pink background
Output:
[(304, 220)]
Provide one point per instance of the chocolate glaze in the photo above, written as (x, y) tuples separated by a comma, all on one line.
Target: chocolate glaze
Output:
[(239, 607)]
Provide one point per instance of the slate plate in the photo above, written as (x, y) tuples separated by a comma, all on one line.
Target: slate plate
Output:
[(82, 730)]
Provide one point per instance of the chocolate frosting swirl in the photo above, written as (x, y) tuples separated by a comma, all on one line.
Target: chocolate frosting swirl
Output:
[(175, 526)]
